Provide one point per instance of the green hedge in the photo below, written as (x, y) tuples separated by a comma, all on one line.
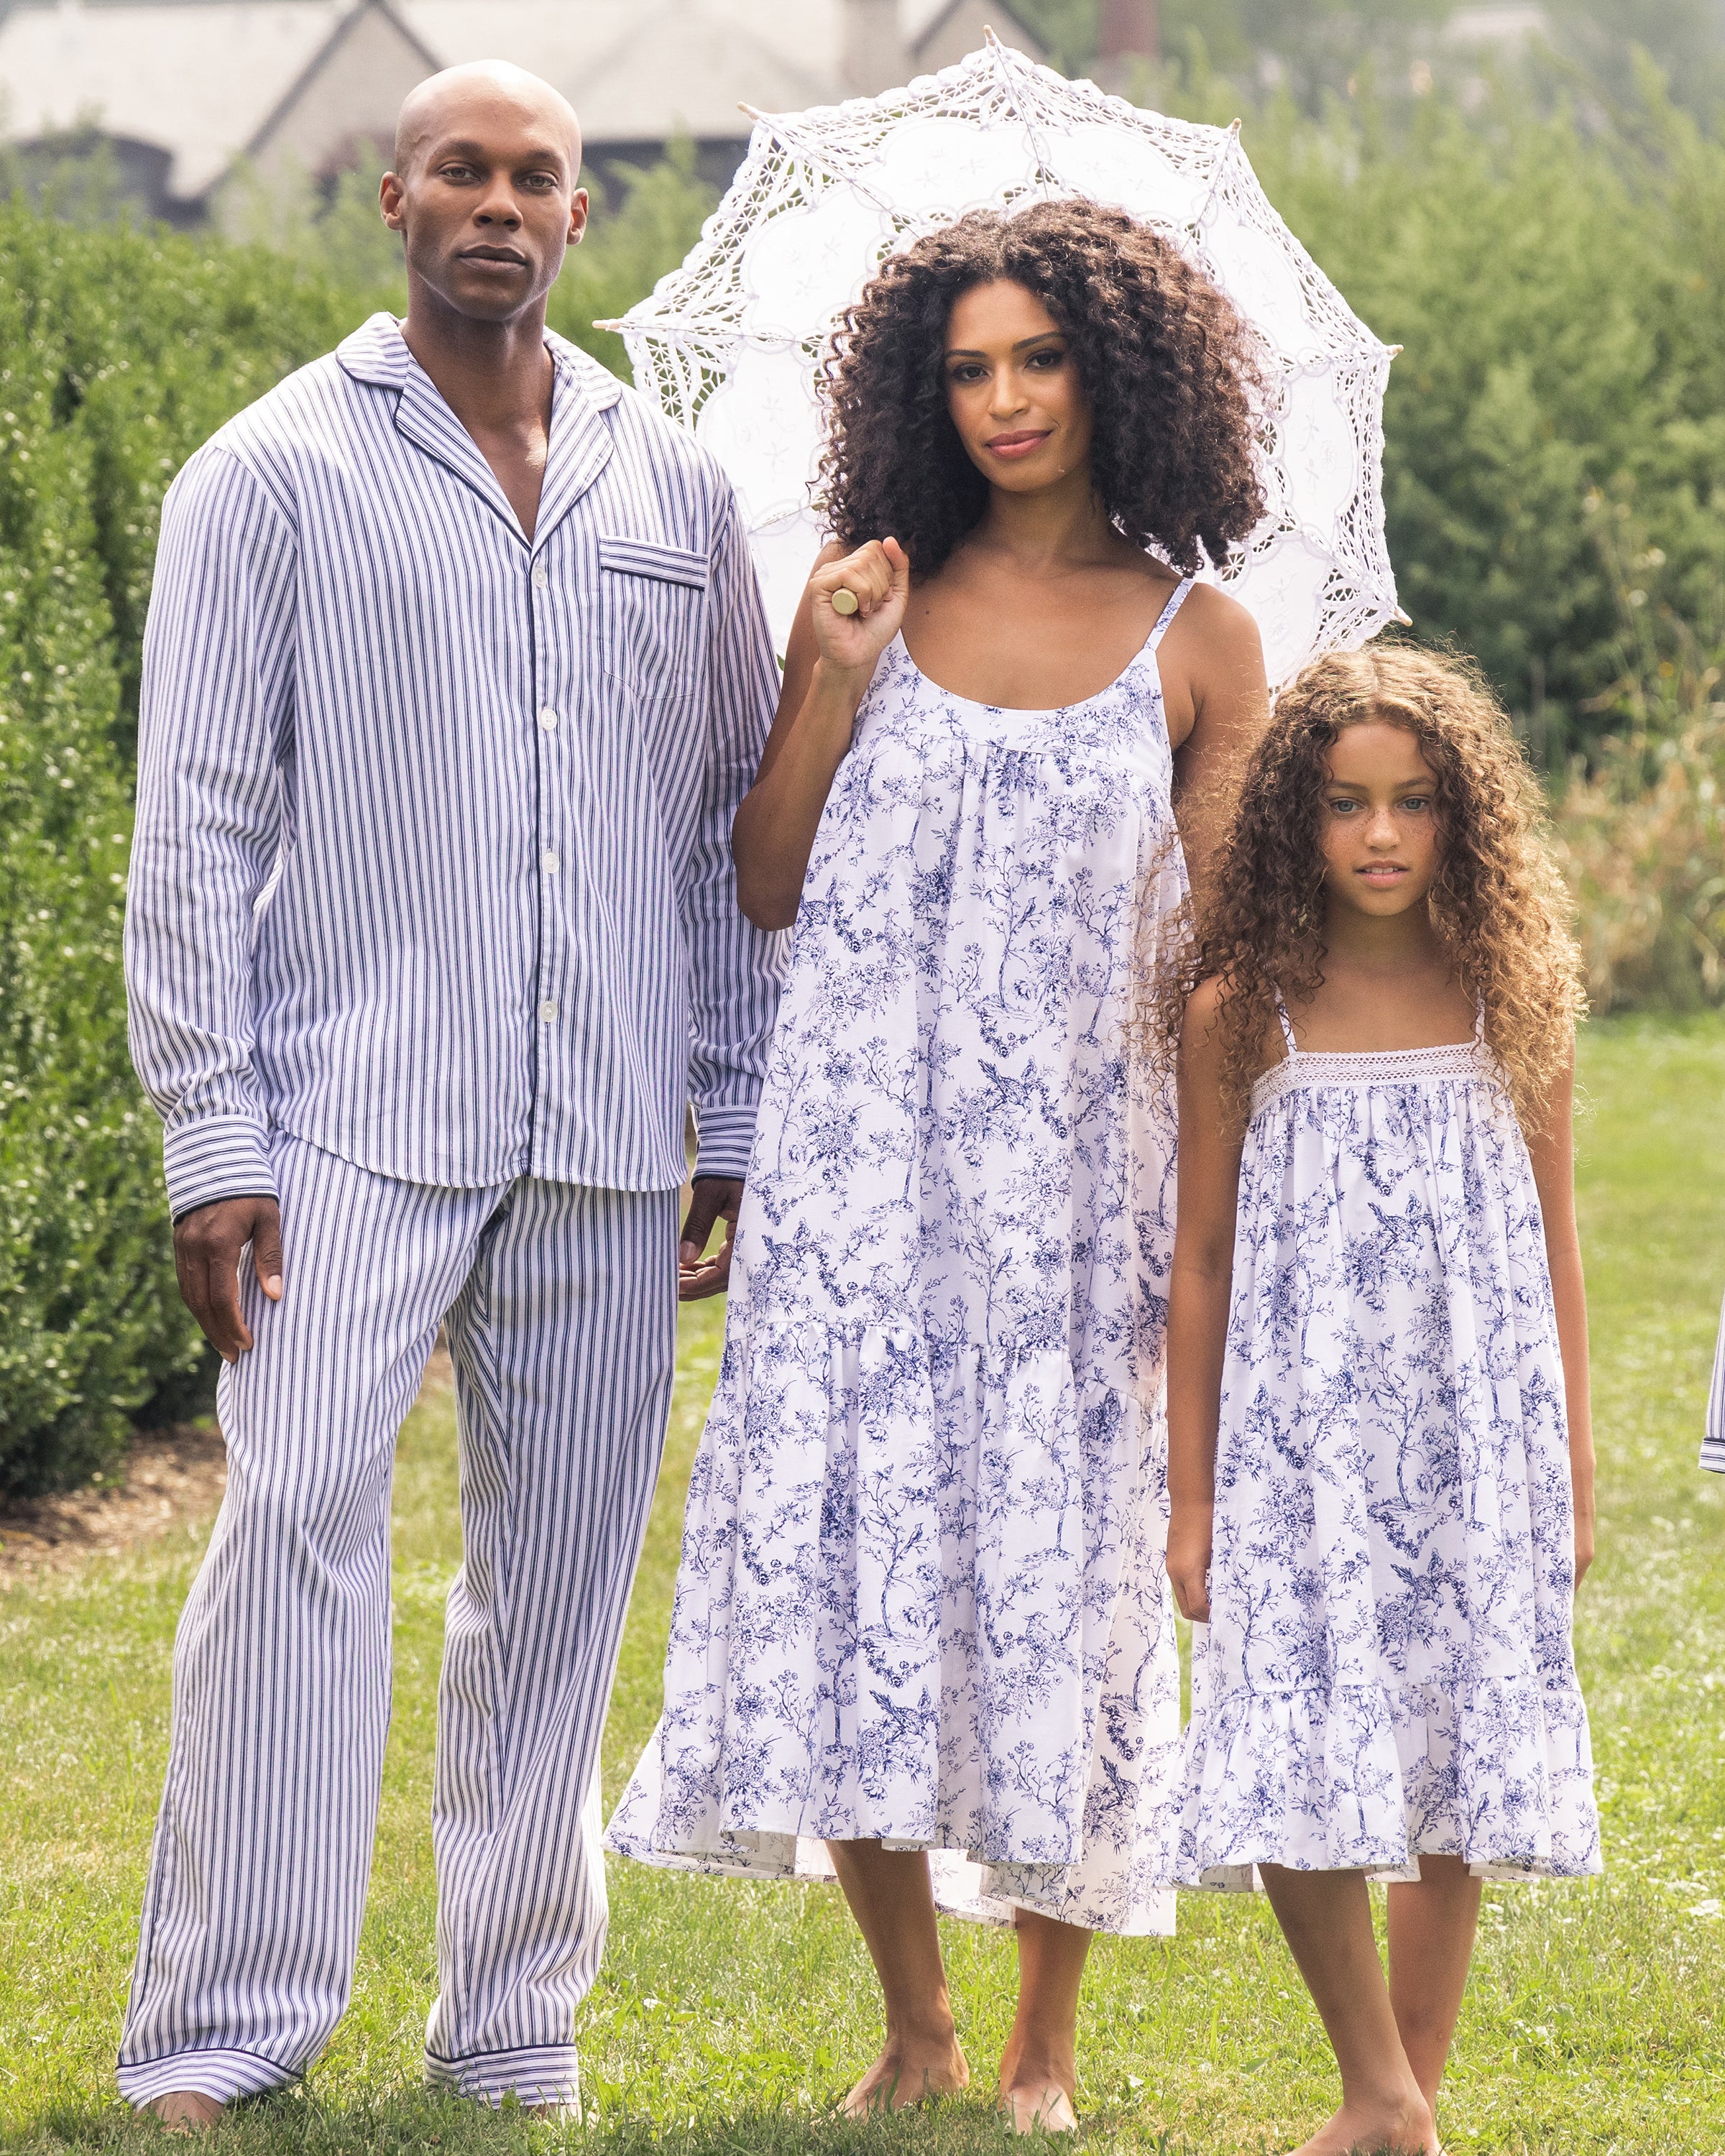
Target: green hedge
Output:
[(118, 354), (1559, 294)]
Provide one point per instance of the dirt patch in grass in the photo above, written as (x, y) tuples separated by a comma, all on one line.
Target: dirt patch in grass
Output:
[(170, 1475)]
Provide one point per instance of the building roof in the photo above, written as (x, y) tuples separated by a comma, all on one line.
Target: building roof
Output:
[(199, 80), (212, 81), (644, 70)]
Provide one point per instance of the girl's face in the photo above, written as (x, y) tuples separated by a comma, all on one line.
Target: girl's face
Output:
[(1378, 820), (1013, 389)]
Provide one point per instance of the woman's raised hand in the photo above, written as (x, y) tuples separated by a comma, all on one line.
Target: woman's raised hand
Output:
[(878, 578), (828, 668)]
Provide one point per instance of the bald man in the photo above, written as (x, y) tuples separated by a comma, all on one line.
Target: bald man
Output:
[(455, 672)]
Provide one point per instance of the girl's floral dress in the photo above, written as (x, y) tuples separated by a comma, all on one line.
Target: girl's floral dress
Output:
[(922, 1598), (1388, 1667)]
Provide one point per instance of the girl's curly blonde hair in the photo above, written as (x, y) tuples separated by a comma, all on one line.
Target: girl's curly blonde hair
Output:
[(1498, 902)]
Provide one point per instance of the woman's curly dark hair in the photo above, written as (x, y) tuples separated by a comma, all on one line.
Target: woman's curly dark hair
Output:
[(1497, 902), (1170, 372)]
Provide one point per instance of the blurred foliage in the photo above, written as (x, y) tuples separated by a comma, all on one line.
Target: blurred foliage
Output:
[(75, 176), (1643, 829), (90, 1321), (1316, 48), (334, 230), (1067, 30), (1559, 293), (1324, 48), (643, 225)]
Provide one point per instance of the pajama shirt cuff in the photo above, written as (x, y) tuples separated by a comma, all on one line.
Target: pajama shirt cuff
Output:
[(1712, 1454), (725, 1136), (216, 1156)]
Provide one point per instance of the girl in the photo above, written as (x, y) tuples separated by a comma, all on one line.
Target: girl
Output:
[(922, 1606), (1381, 1466)]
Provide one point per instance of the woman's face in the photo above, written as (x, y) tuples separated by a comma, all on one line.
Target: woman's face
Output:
[(1377, 821), (1013, 389)]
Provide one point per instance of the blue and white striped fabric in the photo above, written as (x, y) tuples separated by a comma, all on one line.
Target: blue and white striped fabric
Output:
[(1713, 1443), (432, 864), (561, 1326)]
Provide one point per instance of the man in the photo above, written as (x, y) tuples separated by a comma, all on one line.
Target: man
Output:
[(456, 669)]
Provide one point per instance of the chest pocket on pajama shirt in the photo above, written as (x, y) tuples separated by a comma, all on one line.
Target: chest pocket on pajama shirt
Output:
[(653, 604)]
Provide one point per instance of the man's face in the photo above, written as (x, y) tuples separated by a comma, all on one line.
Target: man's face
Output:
[(487, 201)]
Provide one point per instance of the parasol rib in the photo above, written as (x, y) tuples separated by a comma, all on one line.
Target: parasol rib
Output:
[(1005, 62)]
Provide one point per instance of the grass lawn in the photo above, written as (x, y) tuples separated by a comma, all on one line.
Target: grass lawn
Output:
[(729, 2018)]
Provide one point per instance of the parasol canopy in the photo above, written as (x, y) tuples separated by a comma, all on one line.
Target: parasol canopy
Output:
[(731, 343)]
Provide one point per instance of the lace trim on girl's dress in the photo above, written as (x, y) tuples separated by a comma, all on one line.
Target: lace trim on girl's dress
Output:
[(1469, 1059)]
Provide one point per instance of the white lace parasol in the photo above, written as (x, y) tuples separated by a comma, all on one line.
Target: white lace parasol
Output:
[(731, 343)]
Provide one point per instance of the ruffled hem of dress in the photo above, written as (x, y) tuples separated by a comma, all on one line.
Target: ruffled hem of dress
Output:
[(1105, 1857), (1370, 1778), (964, 1885)]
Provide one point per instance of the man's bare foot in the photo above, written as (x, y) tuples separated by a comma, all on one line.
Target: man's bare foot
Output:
[(907, 2073), (186, 2111), (1035, 2104), (1403, 2127)]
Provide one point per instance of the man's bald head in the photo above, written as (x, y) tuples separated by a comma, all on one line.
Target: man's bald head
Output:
[(450, 104), (485, 191)]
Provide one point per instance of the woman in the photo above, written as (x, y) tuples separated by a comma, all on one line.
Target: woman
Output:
[(920, 1606)]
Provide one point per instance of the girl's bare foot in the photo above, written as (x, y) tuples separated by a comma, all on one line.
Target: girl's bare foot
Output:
[(186, 2111), (1395, 2127), (909, 2071)]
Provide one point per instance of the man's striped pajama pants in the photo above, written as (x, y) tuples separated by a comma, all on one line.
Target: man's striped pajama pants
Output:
[(560, 1306)]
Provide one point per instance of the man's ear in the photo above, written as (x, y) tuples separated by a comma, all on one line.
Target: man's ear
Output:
[(390, 196), (578, 216)]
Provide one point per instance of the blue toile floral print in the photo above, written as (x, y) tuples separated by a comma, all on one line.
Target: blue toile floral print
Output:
[(1387, 1669), (922, 1598)]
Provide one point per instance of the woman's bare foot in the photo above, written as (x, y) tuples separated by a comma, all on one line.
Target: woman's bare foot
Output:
[(1403, 2126), (1034, 2104), (1038, 2080), (186, 2111), (891, 1897), (1039, 2067), (908, 2072)]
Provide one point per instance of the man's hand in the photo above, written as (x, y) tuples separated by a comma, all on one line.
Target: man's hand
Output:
[(1190, 1529), (713, 1199), (208, 1242)]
